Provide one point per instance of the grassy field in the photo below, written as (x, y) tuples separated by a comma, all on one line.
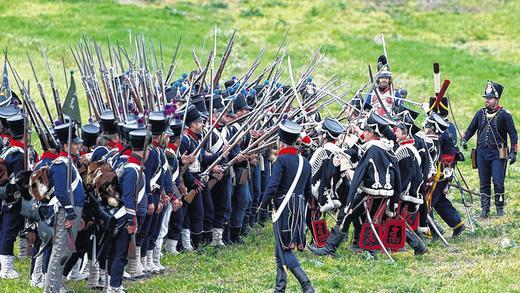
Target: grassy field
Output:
[(473, 40)]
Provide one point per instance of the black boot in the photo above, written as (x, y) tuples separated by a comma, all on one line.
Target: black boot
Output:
[(281, 280), (206, 237), (226, 235), (234, 233), (499, 203), (457, 231), (196, 240), (415, 242), (485, 202), (252, 219), (332, 244), (245, 226), (302, 278), (262, 217)]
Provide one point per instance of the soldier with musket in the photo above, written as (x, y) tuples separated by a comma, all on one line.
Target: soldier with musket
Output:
[(67, 209)]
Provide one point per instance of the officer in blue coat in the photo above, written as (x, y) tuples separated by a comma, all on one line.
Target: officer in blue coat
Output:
[(289, 189), (492, 124), (68, 208), (126, 219)]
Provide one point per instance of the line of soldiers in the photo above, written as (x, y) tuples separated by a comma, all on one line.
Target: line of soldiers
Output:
[(166, 167)]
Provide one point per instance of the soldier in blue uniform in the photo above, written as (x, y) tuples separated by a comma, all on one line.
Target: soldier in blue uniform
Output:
[(289, 189), (126, 217), (193, 212), (492, 124), (175, 221), (10, 218), (67, 209)]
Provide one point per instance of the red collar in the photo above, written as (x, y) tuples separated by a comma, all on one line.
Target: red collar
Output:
[(407, 141), (16, 143), (49, 155), (65, 155), (192, 133), (172, 146), (385, 90), (114, 145), (127, 152), (134, 159), (288, 151), (155, 143)]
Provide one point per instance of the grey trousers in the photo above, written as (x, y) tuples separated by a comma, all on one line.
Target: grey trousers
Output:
[(59, 252)]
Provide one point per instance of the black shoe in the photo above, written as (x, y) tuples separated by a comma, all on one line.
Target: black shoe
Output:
[(245, 229), (415, 242), (281, 280), (234, 233), (332, 244), (500, 212), (226, 235), (457, 231), (302, 278), (252, 219), (484, 214)]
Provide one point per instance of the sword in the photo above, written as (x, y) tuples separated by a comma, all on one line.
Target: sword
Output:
[(432, 223), (466, 206), (369, 218)]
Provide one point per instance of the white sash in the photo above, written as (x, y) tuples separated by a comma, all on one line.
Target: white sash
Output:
[(285, 201)]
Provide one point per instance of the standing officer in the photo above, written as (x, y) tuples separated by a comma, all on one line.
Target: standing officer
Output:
[(493, 124), (289, 189)]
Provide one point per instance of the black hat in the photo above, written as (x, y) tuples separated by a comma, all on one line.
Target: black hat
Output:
[(218, 103), (308, 89), (289, 131), (405, 111), (240, 103), (16, 125), (89, 134), (442, 107), (403, 93), (170, 93), (9, 111), (158, 122), (493, 90), (375, 123), (175, 128), (129, 127), (193, 115), (231, 83), (408, 124), (200, 102), (251, 98), (332, 128), (108, 123), (137, 139), (436, 122), (62, 133), (356, 103)]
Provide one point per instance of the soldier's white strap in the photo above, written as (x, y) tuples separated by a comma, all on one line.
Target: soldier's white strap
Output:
[(136, 167), (285, 201)]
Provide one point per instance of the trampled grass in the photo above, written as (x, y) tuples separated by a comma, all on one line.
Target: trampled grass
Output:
[(473, 40)]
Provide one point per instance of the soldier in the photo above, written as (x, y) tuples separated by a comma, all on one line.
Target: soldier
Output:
[(193, 212), (445, 157), (493, 124), (290, 189), (325, 166), (11, 220), (109, 141), (376, 175), (126, 220), (69, 209), (409, 161), (384, 90)]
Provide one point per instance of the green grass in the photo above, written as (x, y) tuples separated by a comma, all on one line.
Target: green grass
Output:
[(473, 40)]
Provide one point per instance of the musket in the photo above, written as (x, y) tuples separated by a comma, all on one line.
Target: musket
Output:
[(54, 89), (40, 89), (276, 58), (71, 242), (225, 57), (172, 67)]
